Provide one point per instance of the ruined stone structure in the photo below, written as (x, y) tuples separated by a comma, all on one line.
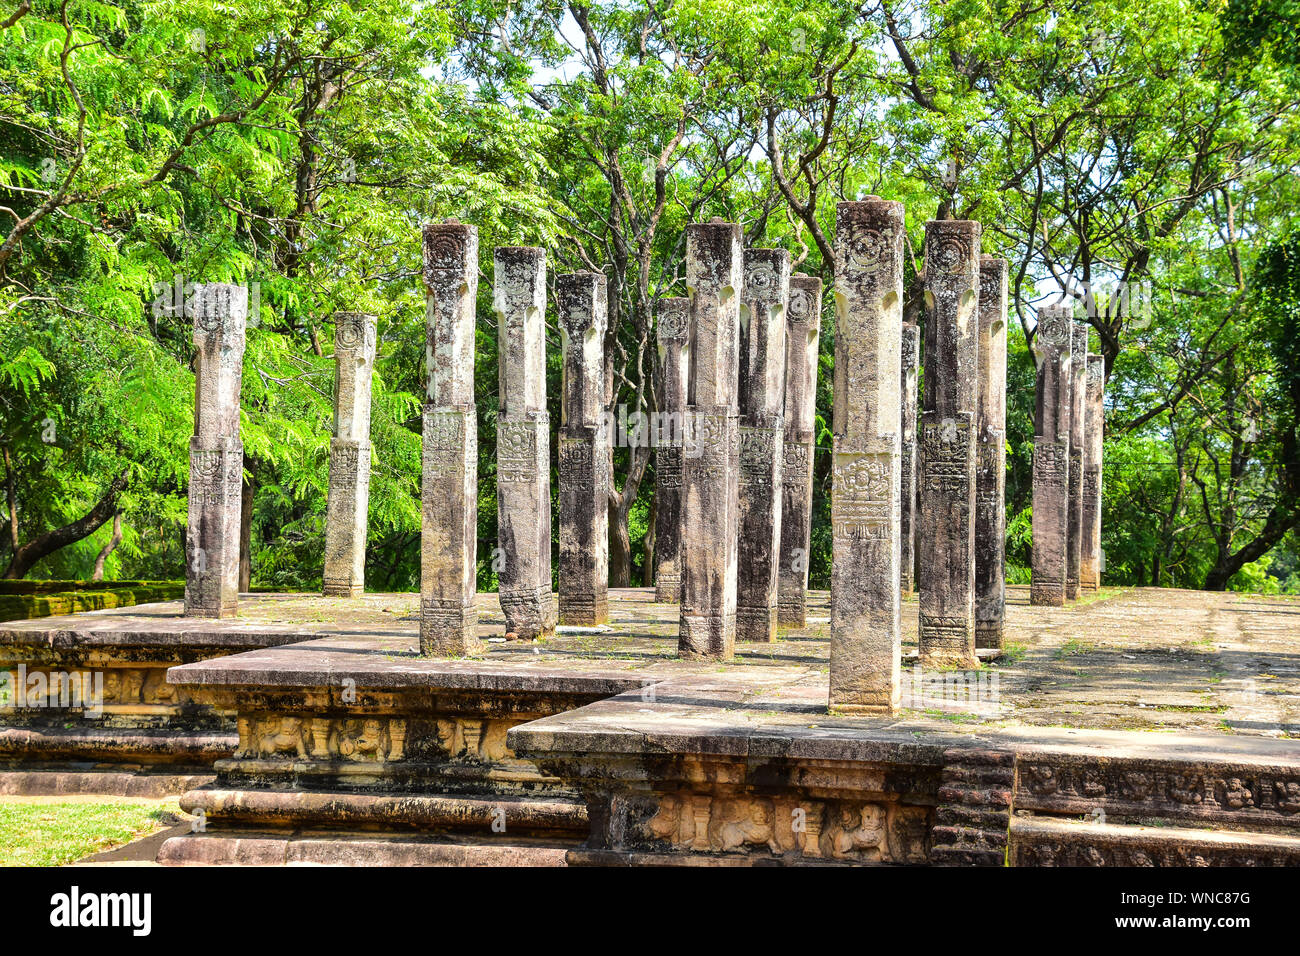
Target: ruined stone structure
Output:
[(761, 400), (865, 628), (584, 451), (712, 458), (946, 529), (907, 482), (672, 321), (991, 456), (523, 443), (449, 482), (1093, 432), (349, 489), (1074, 515), (802, 334), (220, 313), (1051, 456)]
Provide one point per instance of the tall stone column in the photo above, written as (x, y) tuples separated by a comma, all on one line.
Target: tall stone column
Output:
[(1051, 456), (866, 643), (1093, 432), (349, 491), (1078, 386), (803, 319), (673, 331), (946, 529), (449, 483), (910, 460), (991, 456), (711, 457), (220, 313), (762, 433), (584, 451), (523, 443)]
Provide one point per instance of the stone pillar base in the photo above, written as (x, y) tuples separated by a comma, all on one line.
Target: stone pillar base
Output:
[(584, 610), (342, 590), (792, 613), (756, 624), (530, 613), (668, 589), (1047, 594), (448, 629), (212, 538), (704, 635), (988, 635)]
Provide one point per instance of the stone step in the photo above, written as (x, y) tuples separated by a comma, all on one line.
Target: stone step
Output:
[(351, 849), (116, 744), (1047, 841), (298, 808), (116, 783)]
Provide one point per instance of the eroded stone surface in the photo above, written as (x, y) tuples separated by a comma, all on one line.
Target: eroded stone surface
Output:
[(1074, 506), (220, 313), (349, 488), (991, 456), (946, 529), (672, 322), (865, 519), (1093, 435), (803, 332), (907, 481), (762, 434), (449, 476)]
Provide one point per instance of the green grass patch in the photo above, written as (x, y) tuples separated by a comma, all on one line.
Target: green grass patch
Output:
[(1071, 648), (52, 834)]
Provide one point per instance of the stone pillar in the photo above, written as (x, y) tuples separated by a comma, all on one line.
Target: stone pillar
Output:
[(1093, 431), (711, 456), (673, 325), (449, 485), (1051, 456), (946, 529), (991, 456), (523, 443), (907, 481), (866, 644), (584, 451), (761, 401), (220, 313), (1078, 385), (349, 490), (803, 316)]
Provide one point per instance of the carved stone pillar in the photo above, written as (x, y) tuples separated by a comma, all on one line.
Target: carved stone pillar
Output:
[(1093, 432), (991, 456), (1051, 456), (523, 443), (673, 331), (802, 334), (865, 509), (910, 459), (711, 456), (220, 313), (946, 530), (349, 489), (762, 431), (584, 451), (1078, 386), (449, 484)]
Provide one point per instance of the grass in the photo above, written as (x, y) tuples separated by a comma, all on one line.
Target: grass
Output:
[(52, 834)]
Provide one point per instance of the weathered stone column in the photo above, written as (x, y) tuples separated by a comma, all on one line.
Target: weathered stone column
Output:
[(711, 457), (220, 313), (1051, 456), (803, 319), (449, 485), (866, 644), (584, 451), (673, 330), (523, 443), (1078, 386), (946, 529), (1093, 433), (349, 491), (991, 456), (762, 433), (910, 460)]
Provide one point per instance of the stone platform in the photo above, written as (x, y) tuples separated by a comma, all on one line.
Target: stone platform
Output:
[(1145, 726)]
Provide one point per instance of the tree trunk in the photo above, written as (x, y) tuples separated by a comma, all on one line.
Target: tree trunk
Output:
[(46, 544), (648, 568), (246, 535), (620, 504), (106, 550)]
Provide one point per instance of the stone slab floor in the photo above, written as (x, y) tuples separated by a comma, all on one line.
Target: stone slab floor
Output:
[(1125, 659)]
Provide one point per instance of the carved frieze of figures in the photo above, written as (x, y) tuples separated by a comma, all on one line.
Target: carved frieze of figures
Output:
[(351, 739)]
